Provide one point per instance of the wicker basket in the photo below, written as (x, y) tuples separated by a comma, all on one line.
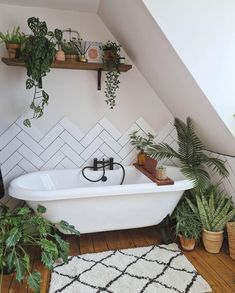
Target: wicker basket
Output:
[(231, 238)]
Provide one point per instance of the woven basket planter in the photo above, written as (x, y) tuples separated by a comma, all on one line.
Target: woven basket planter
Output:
[(231, 238)]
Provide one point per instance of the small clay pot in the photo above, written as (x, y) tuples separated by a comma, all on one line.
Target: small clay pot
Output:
[(187, 244), (60, 56), (13, 50)]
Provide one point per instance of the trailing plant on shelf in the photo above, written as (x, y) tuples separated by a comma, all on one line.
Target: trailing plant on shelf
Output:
[(13, 41), (111, 61), (21, 229), (190, 154), (214, 209), (38, 54)]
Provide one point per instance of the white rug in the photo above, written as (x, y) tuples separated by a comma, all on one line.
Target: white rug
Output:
[(161, 269)]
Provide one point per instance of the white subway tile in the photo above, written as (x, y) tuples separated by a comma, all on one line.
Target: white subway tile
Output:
[(91, 135), (90, 150), (30, 142), (33, 131), (72, 128), (126, 150), (15, 172), (145, 126), (51, 135), (54, 161), (130, 159), (10, 163), (27, 166), (72, 142), (126, 136), (30, 156), (8, 135), (52, 149), (110, 141), (68, 164), (8, 150), (108, 126), (109, 153), (72, 155)]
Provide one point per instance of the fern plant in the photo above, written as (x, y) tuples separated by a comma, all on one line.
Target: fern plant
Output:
[(215, 209), (190, 154)]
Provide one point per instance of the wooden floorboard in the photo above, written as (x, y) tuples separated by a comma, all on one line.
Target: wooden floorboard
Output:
[(218, 270)]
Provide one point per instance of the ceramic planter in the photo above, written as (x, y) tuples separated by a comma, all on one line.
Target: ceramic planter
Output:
[(187, 244), (13, 50), (212, 240), (60, 56)]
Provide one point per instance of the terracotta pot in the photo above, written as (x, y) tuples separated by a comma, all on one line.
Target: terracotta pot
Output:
[(141, 158), (60, 56), (187, 244), (110, 55), (212, 240), (13, 50)]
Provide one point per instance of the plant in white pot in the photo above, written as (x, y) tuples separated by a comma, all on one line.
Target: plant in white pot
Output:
[(215, 209)]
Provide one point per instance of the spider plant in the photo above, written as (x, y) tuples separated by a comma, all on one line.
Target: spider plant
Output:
[(190, 154)]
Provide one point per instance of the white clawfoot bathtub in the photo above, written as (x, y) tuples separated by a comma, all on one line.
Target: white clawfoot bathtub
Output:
[(102, 206)]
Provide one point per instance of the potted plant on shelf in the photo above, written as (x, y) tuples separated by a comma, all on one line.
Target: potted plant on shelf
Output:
[(214, 209), (38, 55), (13, 41), (141, 143), (111, 61), (190, 154), (188, 226), (60, 55), (70, 51), (21, 229), (82, 47)]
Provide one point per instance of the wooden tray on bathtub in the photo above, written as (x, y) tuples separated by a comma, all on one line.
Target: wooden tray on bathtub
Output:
[(167, 181)]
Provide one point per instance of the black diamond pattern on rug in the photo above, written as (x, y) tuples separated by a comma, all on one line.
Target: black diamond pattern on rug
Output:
[(161, 268)]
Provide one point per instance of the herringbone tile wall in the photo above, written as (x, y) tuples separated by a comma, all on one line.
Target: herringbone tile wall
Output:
[(24, 150)]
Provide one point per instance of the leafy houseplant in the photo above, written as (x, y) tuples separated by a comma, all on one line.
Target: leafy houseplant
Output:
[(38, 54), (111, 61), (13, 41), (60, 55), (188, 225), (190, 155), (70, 50), (82, 47), (22, 228), (141, 143), (214, 209)]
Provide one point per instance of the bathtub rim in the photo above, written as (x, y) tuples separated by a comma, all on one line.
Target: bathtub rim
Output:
[(90, 192)]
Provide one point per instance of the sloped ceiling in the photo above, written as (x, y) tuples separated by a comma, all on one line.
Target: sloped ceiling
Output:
[(143, 40), (79, 5)]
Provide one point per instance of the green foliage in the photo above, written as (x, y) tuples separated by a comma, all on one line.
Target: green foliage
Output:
[(14, 37), (190, 154), (111, 64), (21, 228), (38, 54), (69, 48), (214, 208), (80, 45), (188, 223), (140, 142)]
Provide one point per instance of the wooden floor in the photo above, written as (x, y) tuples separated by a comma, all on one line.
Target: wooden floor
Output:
[(218, 270)]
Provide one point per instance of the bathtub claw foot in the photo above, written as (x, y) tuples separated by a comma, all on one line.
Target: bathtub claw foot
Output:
[(165, 230)]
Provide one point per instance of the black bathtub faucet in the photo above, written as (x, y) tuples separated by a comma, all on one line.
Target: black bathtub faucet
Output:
[(103, 163)]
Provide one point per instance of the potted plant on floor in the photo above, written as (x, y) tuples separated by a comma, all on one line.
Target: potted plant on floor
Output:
[(22, 228), (188, 226), (141, 143), (215, 209), (190, 154), (111, 61), (13, 41)]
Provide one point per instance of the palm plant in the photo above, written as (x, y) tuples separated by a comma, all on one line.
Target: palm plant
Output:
[(191, 156)]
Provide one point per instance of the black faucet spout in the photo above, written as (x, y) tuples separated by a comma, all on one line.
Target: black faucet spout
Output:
[(103, 164)]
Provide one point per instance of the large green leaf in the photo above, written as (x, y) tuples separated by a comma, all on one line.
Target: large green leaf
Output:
[(34, 281), (70, 228), (13, 237), (20, 266)]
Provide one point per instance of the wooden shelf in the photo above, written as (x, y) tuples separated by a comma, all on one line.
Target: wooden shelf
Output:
[(71, 65)]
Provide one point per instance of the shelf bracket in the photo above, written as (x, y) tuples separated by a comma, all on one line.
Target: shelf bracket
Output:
[(99, 79)]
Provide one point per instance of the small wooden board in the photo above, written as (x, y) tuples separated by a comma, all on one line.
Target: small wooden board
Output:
[(167, 181)]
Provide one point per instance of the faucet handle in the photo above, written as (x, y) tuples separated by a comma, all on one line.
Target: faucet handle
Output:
[(111, 163), (95, 164)]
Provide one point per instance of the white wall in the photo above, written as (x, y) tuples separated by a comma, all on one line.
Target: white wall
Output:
[(202, 33), (74, 93), (157, 60)]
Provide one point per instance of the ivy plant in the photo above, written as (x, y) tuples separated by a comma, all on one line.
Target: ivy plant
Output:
[(22, 228), (38, 55), (111, 60)]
